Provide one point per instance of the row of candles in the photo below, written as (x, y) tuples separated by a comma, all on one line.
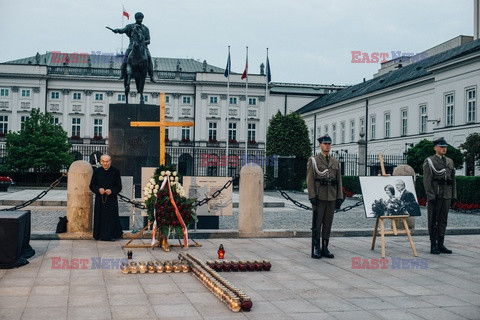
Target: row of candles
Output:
[(242, 265), (234, 298), (155, 267)]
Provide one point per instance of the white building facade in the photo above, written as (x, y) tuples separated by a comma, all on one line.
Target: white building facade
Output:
[(423, 100)]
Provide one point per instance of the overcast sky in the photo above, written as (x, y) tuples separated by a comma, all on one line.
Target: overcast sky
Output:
[(309, 41)]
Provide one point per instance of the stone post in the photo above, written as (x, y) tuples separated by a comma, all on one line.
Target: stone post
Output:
[(405, 170), (362, 150), (250, 203), (79, 198)]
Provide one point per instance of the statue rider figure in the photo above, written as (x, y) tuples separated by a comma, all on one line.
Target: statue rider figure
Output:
[(146, 33)]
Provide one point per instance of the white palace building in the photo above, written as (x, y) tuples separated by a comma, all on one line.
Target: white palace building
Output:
[(78, 88), (430, 95)]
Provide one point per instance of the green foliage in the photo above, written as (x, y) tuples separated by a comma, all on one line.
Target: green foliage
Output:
[(41, 146), (472, 148), (288, 136), (468, 189), (418, 153), (352, 184)]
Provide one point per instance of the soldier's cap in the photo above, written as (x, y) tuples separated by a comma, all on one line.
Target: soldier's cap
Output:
[(138, 15), (440, 142), (324, 139)]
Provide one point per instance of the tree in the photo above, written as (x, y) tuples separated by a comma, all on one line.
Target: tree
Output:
[(288, 136), (472, 150), (40, 146), (418, 153)]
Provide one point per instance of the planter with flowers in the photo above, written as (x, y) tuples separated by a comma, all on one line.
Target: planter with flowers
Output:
[(5, 182), (160, 208)]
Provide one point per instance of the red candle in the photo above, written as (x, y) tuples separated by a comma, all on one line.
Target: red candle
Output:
[(221, 252)]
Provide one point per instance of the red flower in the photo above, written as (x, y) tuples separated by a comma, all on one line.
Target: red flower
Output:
[(4, 179)]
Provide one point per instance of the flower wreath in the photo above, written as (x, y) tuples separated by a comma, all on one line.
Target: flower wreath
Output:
[(159, 206)]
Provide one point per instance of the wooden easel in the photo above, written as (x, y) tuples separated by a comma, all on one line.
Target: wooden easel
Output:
[(162, 241), (392, 219)]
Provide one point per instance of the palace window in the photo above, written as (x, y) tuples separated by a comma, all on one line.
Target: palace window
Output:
[(233, 100), (121, 97), (98, 96), (98, 128), (212, 131), (404, 120), (25, 93), (232, 131), (449, 109), (334, 133), (185, 133), (213, 100), (22, 121), (342, 132), (77, 96), (251, 132), (362, 125), (387, 125), (55, 95), (3, 124), (252, 101), (352, 130), (186, 100), (423, 118), (471, 105), (76, 127), (4, 92), (325, 129), (373, 127)]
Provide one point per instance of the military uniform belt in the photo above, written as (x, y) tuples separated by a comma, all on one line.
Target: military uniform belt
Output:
[(443, 181), (327, 182)]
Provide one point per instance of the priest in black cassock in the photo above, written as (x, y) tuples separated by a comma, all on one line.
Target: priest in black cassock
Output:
[(106, 184)]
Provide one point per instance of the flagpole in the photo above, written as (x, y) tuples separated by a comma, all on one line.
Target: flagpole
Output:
[(228, 109), (267, 68), (246, 110), (123, 10)]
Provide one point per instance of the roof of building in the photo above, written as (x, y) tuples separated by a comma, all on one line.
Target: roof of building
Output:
[(405, 73), (303, 89), (106, 61)]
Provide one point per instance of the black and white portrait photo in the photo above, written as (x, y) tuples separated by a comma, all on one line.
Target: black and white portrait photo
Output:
[(389, 196)]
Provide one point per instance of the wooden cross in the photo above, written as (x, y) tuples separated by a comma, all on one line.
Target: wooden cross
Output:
[(161, 124)]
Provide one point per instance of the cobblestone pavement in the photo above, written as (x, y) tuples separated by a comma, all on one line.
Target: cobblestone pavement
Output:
[(290, 217)]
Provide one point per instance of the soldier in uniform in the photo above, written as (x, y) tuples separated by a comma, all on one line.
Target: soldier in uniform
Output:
[(441, 190), (128, 31), (324, 183)]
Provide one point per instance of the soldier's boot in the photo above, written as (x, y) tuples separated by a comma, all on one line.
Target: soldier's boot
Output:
[(433, 243), (441, 246), (122, 70), (325, 252), (316, 252)]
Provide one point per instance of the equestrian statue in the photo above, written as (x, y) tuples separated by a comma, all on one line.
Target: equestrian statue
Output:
[(137, 60)]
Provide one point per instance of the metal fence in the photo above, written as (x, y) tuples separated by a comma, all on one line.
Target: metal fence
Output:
[(212, 161)]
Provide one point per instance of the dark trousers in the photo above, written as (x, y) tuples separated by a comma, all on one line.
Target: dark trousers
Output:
[(323, 218), (437, 217)]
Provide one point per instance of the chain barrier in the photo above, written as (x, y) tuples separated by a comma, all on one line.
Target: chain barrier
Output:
[(136, 204), (301, 205), (216, 193), (38, 197), (196, 204)]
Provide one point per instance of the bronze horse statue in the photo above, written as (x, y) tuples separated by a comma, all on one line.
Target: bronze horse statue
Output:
[(137, 63)]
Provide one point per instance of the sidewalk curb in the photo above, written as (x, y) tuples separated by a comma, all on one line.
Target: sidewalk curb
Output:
[(234, 234)]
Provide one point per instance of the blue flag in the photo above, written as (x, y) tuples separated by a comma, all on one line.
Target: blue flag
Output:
[(269, 73), (229, 66)]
